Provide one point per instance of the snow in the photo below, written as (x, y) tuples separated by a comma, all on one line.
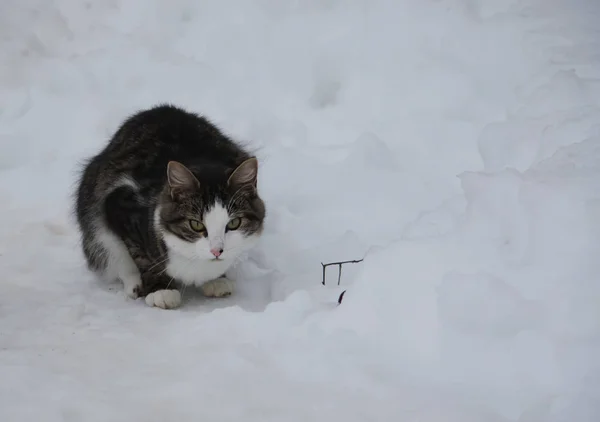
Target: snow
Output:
[(454, 144)]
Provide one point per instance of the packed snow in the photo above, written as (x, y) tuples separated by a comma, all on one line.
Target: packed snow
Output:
[(452, 144)]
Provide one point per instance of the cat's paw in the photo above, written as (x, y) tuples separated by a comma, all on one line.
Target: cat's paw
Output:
[(219, 287), (132, 287), (132, 292), (164, 299)]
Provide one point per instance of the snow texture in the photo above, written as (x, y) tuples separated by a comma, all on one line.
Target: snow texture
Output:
[(454, 144)]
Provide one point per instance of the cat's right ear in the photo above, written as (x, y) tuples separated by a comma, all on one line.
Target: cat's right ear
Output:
[(180, 178)]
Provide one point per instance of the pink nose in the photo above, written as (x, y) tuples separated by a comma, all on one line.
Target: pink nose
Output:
[(216, 252)]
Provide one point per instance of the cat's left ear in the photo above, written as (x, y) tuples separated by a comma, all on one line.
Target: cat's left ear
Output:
[(245, 174), (180, 178)]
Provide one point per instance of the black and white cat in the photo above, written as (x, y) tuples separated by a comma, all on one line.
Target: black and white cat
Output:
[(169, 201)]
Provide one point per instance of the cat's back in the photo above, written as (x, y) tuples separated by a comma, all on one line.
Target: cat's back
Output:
[(168, 132), (144, 143)]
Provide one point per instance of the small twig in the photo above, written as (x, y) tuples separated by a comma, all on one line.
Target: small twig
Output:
[(339, 264)]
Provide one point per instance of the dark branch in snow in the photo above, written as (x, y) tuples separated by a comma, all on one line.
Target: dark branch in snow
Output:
[(339, 264)]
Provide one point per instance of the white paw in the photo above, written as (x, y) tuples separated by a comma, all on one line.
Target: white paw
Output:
[(131, 286), (219, 287), (165, 299)]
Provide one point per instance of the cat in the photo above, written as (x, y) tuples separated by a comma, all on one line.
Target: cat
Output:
[(170, 201)]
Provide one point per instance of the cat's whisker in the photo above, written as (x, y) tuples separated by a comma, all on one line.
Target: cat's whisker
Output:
[(233, 199), (168, 285), (182, 291), (161, 260), (234, 248), (190, 262)]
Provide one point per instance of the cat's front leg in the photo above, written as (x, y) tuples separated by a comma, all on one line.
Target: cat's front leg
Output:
[(219, 287), (129, 220), (160, 291)]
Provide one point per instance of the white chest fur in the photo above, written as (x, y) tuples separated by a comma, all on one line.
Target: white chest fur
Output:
[(195, 271)]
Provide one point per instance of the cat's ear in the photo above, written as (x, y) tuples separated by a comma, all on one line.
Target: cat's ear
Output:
[(245, 174), (180, 178)]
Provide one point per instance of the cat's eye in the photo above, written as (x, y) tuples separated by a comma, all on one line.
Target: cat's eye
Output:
[(197, 226), (234, 223)]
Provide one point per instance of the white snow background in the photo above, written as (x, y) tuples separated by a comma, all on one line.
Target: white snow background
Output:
[(455, 144)]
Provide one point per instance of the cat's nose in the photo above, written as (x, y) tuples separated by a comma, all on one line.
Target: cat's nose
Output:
[(216, 252)]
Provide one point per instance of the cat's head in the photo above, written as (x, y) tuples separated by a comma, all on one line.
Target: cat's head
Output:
[(210, 215)]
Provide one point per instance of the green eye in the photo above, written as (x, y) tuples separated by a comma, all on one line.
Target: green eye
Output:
[(197, 226), (234, 224)]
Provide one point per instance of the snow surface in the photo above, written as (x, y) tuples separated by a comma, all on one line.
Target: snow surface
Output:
[(455, 144)]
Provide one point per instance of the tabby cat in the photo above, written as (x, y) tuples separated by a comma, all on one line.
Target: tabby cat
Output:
[(170, 201)]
